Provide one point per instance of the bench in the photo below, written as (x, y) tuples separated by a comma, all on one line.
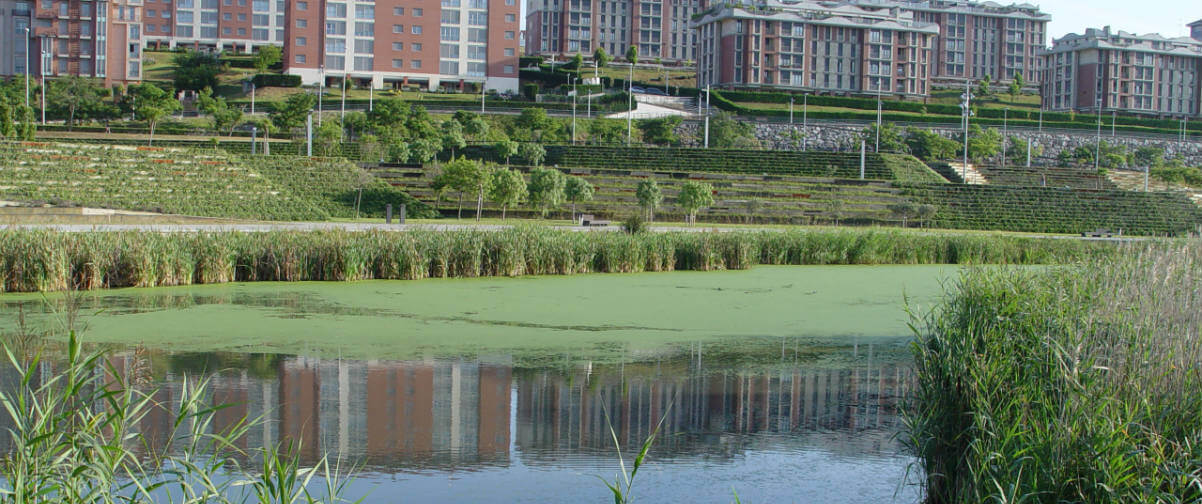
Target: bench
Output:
[(1100, 233), (588, 220)]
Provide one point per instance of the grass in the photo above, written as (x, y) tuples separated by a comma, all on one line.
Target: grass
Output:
[(39, 261), (1076, 384)]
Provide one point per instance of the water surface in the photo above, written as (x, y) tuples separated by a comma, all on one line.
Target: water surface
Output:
[(780, 383)]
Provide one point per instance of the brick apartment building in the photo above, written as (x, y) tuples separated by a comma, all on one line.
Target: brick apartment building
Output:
[(92, 38), (1119, 71), (843, 48), (983, 38), (427, 42), (660, 29), (226, 25)]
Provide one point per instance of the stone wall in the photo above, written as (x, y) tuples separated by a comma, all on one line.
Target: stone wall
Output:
[(845, 137)]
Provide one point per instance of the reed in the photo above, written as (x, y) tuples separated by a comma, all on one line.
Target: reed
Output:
[(1077, 384), (38, 260)]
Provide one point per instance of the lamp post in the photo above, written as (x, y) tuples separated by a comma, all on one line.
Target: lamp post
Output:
[(321, 89), (1113, 116), (574, 93), (252, 98), (42, 70), (482, 97), (629, 103), (1005, 137), (805, 138), (965, 111), (1097, 150), (790, 110), (28, 64), (342, 112), (877, 148)]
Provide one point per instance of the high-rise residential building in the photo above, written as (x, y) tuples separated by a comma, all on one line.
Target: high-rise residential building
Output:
[(660, 29), (225, 25), (1124, 72), (394, 42), (1195, 30), (90, 38), (982, 38), (840, 48)]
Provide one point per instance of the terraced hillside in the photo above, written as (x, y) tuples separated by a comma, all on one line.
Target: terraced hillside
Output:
[(738, 197), (187, 181), (844, 165), (1052, 210), (1057, 177)]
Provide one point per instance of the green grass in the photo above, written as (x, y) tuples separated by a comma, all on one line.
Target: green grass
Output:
[(32, 261), (199, 182), (1076, 384)]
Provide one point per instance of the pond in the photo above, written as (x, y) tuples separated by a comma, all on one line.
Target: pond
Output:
[(778, 383)]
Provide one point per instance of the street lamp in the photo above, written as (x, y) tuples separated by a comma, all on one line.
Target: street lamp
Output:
[(342, 113), (42, 70), (1097, 150), (321, 89), (805, 137), (790, 110), (877, 148), (1005, 135), (966, 111), (252, 98), (28, 63), (574, 93)]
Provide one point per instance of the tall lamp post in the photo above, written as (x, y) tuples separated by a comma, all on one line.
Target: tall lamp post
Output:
[(574, 93), (877, 148), (1005, 137), (321, 89), (1097, 149), (28, 64), (966, 111), (42, 70)]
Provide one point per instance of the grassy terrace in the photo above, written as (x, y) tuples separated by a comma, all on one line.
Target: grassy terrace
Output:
[(188, 181), (1052, 176), (1057, 210)]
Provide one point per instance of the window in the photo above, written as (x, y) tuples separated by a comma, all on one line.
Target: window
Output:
[(300, 41), (477, 18), (302, 23), (335, 62), (416, 46), (415, 64), (510, 18), (260, 19), (450, 17), (208, 17), (416, 29), (478, 52), (241, 16), (165, 14), (301, 6), (475, 69), (241, 32), (335, 27), (150, 29), (260, 6), (363, 63), (448, 67), (260, 34), (364, 46), (227, 31), (225, 16), (508, 69), (209, 32), (149, 12), (508, 35), (398, 46), (336, 10), (85, 10), (509, 51), (477, 35), (183, 31), (398, 11), (365, 29), (335, 45), (396, 63), (449, 33), (300, 58), (396, 28), (417, 12), (184, 17), (449, 51), (365, 12)]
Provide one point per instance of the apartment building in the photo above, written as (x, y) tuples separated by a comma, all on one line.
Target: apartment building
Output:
[(224, 25), (839, 48), (391, 43), (983, 38), (1119, 71), (1195, 30), (91, 38), (660, 29)]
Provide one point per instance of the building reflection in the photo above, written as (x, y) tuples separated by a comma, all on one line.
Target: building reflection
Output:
[(431, 414)]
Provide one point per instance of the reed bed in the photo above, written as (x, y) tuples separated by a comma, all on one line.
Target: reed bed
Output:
[(38, 261), (1080, 384)]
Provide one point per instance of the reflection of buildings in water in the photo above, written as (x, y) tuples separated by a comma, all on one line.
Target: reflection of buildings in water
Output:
[(437, 413)]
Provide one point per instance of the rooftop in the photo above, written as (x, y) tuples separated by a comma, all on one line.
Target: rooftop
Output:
[(1105, 38)]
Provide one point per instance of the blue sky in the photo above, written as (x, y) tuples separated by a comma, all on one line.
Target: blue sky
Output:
[(1167, 17)]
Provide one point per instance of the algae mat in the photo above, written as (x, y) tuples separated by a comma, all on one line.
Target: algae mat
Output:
[(599, 316)]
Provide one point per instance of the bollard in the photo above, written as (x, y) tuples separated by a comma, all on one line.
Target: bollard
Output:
[(388, 213), (402, 213)]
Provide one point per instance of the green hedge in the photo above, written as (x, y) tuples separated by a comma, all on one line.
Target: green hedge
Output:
[(277, 80)]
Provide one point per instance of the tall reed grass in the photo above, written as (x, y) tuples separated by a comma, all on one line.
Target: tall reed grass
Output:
[(1079, 384), (35, 260)]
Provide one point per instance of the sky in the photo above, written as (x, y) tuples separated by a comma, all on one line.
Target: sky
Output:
[(1167, 17)]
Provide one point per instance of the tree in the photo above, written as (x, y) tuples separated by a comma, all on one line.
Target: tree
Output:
[(693, 197), (1016, 86), (649, 197), (545, 189), (65, 96), (356, 124), (8, 126), (660, 131), (925, 213), (534, 121), (28, 126), (507, 189), (632, 54), (834, 209), (983, 88), (726, 131), (891, 137), (452, 136), (423, 150), (607, 131), (930, 146), (505, 149), (389, 112), (601, 58), (151, 103), (327, 136), (1017, 151), (533, 153), (463, 175), (265, 56), (292, 113), (983, 144), (576, 189), (195, 70), (904, 210), (225, 118), (264, 125)]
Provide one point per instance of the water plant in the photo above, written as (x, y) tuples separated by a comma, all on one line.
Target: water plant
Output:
[(38, 260), (1075, 384)]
